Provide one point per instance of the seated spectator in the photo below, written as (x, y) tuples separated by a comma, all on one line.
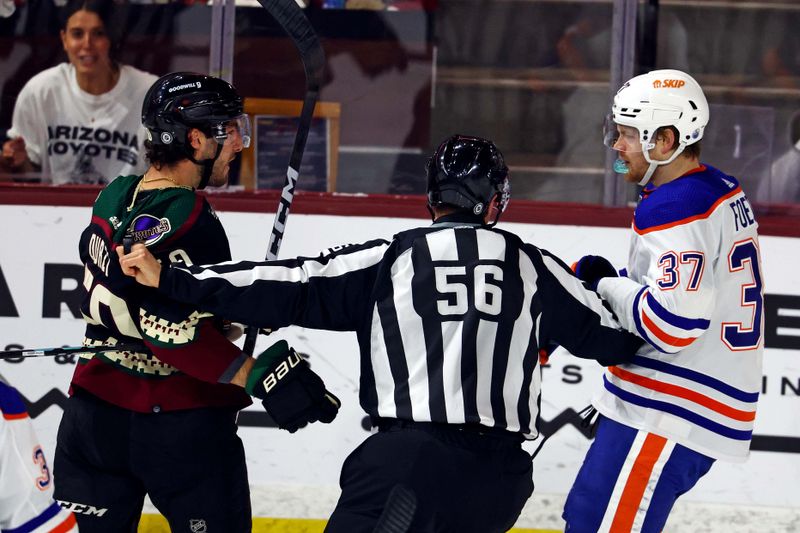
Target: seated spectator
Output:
[(79, 122), (780, 62), (584, 49), (783, 186)]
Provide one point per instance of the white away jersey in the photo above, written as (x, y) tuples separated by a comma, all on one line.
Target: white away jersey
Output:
[(77, 137), (26, 483), (694, 291)]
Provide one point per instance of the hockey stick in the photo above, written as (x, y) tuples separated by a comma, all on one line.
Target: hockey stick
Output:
[(291, 18), (294, 22), (70, 350)]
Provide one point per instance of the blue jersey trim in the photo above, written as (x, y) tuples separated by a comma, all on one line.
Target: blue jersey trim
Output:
[(678, 411), (10, 401), (703, 379), (676, 320), (642, 333), (688, 196), (34, 523)]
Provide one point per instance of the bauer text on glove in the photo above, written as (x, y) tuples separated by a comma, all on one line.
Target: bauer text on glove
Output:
[(291, 393)]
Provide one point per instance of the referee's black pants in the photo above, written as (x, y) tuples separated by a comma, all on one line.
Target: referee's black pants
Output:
[(462, 481), (191, 464)]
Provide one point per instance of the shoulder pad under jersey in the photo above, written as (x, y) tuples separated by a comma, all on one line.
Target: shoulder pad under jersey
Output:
[(691, 197)]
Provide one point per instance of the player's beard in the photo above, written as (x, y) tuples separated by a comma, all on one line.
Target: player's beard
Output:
[(636, 168), (220, 172)]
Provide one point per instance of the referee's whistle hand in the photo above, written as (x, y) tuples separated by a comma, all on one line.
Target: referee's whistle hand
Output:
[(140, 264)]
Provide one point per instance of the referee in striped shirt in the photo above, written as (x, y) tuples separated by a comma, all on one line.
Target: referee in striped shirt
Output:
[(450, 319)]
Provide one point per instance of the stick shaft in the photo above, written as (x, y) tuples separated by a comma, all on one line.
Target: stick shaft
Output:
[(70, 350), (296, 25)]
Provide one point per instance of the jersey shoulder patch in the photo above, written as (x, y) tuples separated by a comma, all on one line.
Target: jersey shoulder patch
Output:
[(163, 214), (691, 197)]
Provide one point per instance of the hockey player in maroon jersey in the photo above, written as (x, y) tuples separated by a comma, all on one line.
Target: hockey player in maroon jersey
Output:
[(162, 420)]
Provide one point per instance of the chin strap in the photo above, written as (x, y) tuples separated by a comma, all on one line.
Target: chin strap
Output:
[(655, 164), (494, 222), (208, 166), (649, 174), (495, 201)]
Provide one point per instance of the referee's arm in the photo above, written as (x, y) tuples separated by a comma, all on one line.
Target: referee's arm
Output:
[(331, 291), (575, 317)]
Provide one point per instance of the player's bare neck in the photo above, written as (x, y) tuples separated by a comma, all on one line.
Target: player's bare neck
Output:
[(156, 178), (164, 177), (442, 210), (674, 170)]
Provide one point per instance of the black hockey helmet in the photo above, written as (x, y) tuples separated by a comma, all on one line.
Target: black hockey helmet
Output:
[(467, 172), (179, 101)]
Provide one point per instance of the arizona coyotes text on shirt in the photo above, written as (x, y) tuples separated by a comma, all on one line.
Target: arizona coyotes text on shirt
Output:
[(100, 142)]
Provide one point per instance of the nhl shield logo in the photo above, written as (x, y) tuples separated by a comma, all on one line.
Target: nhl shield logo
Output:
[(197, 525)]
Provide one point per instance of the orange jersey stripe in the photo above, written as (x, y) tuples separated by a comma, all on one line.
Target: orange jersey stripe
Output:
[(682, 392), (15, 416), (686, 220), (66, 525), (662, 335), (695, 170), (637, 482)]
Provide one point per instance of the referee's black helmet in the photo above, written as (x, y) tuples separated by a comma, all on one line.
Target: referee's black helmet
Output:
[(466, 173)]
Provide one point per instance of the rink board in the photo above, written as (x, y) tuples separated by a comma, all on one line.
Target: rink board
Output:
[(39, 260)]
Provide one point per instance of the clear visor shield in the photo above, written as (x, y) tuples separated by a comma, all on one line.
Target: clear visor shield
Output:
[(236, 130), (622, 138)]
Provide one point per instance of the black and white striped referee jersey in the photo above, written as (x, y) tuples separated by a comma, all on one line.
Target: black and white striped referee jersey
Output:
[(449, 317)]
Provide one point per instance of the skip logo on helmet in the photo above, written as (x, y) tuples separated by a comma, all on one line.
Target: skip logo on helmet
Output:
[(668, 84)]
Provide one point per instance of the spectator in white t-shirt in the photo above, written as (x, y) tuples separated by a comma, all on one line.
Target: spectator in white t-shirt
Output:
[(80, 122)]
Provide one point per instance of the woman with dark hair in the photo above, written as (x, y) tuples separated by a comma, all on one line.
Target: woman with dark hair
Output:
[(79, 122)]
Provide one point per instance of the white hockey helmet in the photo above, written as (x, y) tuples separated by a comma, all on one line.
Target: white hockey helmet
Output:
[(654, 100)]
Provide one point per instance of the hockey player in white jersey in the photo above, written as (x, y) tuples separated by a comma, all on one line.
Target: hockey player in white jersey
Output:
[(692, 289), (26, 483)]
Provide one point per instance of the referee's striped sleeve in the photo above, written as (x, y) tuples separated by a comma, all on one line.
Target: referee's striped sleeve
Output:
[(331, 291), (575, 317)]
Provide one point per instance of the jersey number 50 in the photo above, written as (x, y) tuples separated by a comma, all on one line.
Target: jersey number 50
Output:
[(100, 296)]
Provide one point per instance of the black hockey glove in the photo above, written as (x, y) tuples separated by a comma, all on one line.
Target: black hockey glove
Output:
[(291, 393), (592, 268)]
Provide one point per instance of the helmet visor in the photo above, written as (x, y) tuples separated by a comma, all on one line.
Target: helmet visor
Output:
[(235, 130), (621, 138)]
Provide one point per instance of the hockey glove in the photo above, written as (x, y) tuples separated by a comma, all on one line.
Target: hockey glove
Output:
[(291, 393), (592, 268)]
